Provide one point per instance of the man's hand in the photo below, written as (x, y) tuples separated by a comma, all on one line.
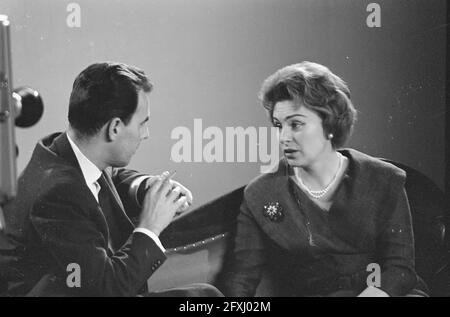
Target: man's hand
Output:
[(161, 203), (183, 192)]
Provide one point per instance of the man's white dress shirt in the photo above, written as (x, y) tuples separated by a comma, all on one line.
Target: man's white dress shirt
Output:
[(91, 175)]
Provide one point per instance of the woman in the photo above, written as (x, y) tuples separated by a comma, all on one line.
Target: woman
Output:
[(328, 221)]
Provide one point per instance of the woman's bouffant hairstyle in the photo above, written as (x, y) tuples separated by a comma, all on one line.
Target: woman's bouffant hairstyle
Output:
[(314, 86)]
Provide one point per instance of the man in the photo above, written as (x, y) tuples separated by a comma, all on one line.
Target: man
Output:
[(69, 230)]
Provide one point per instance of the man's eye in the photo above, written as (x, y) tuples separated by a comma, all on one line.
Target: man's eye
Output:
[(277, 125)]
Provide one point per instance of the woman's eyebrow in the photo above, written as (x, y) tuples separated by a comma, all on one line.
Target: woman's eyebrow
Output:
[(294, 115), (288, 117)]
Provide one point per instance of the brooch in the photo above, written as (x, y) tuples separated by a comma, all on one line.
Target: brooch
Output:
[(273, 211)]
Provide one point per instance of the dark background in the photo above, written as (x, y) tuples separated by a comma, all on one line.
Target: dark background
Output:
[(208, 59), (447, 120)]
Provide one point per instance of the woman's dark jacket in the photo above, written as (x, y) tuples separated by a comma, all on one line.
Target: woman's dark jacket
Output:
[(310, 251)]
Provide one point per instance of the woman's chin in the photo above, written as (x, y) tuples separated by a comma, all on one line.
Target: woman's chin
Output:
[(294, 162)]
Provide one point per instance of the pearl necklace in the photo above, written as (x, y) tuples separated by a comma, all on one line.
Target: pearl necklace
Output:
[(317, 194)]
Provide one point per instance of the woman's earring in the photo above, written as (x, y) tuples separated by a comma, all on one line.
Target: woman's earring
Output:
[(330, 136)]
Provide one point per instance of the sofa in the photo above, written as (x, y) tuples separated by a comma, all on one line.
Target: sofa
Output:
[(198, 243)]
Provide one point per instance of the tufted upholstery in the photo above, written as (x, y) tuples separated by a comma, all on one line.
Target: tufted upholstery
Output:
[(198, 242)]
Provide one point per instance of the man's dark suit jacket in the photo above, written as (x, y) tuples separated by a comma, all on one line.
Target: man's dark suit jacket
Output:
[(368, 222), (55, 221)]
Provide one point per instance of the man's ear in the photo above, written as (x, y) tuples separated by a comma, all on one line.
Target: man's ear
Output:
[(113, 129)]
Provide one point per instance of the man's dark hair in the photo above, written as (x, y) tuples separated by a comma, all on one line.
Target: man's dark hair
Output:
[(104, 91)]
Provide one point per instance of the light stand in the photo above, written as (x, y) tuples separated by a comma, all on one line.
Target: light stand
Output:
[(8, 173)]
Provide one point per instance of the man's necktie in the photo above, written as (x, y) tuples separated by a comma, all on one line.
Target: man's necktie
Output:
[(105, 200)]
